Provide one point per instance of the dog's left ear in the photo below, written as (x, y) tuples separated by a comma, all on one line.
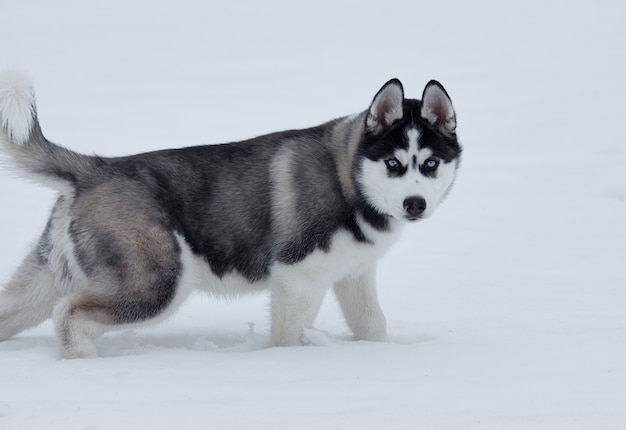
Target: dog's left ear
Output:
[(437, 108), (386, 108)]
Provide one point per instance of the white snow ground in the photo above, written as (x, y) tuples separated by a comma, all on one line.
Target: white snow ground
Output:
[(507, 310)]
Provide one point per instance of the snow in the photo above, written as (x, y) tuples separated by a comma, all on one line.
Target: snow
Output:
[(506, 310)]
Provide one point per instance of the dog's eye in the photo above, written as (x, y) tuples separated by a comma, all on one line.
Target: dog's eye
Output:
[(431, 164), (393, 164)]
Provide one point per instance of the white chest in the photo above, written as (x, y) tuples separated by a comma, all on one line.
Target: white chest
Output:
[(345, 257)]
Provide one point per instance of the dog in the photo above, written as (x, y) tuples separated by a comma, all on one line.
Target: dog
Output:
[(296, 212)]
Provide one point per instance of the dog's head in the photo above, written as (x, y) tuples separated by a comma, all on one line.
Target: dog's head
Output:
[(409, 154)]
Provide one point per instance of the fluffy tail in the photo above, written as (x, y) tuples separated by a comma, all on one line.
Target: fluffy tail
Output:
[(22, 141)]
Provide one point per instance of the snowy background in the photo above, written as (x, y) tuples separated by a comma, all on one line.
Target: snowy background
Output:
[(507, 310)]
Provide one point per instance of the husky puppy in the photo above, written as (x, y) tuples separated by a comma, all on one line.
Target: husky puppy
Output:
[(296, 212)]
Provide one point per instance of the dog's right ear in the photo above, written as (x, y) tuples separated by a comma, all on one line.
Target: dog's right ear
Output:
[(386, 107)]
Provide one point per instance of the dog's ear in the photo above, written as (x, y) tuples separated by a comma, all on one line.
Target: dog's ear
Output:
[(437, 108), (386, 106)]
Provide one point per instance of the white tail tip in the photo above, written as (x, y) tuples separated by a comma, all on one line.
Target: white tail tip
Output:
[(17, 105)]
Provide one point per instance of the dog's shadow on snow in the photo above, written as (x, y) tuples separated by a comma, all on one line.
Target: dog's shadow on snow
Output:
[(139, 342), (26, 343), (133, 342)]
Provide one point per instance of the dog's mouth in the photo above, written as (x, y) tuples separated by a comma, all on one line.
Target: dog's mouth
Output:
[(413, 218)]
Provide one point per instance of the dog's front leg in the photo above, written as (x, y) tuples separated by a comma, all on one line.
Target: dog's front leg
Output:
[(359, 302), (294, 306)]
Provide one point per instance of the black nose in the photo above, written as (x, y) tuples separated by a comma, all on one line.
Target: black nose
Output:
[(414, 207)]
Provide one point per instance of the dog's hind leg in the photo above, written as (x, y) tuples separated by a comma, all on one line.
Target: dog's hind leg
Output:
[(28, 298), (79, 319), (132, 268)]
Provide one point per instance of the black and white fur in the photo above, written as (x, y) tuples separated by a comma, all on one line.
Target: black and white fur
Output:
[(295, 212)]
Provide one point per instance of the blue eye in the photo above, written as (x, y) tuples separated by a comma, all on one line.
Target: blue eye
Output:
[(393, 164), (431, 163)]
